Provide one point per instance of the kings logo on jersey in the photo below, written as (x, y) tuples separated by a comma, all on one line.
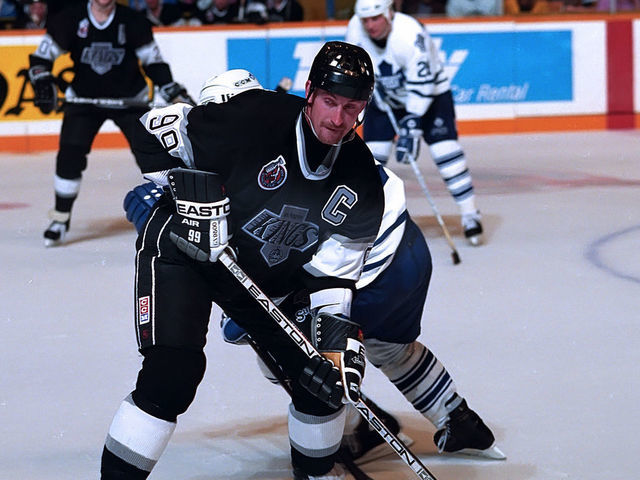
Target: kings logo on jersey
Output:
[(281, 233), (102, 56), (273, 174)]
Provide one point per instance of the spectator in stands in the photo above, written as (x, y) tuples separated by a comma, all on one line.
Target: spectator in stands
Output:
[(421, 7), (161, 12), (139, 5), (218, 11), (620, 5), (262, 11), (535, 7), (8, 13), (471, 8), (35, 15)]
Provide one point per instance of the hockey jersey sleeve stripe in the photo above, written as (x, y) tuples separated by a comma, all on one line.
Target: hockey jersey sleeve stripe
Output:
[(399, 222), (48, 49), (149, 53), (420, 94), (370, 266)]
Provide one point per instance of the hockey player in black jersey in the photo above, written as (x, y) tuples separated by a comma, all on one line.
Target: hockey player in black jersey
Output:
[(286, 183), (106, 42)]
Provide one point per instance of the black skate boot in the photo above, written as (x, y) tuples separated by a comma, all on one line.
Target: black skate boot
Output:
[(465, 433), (54, 235), (365, 444), (336, 473), (472, 228)]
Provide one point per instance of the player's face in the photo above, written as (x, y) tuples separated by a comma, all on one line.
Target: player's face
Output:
[(332, 116), (104, 4), (376, 27)]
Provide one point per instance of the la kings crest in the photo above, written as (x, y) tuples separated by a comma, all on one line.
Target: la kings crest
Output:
[(282, 232)]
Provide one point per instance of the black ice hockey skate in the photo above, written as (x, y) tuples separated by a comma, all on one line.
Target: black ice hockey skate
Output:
[(365, 444), (465, 433), (56, 232), (472, 228), (336, 473)]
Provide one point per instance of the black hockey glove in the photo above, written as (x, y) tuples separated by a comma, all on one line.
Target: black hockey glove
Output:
[(408, 146), (173, 92), (199, 226), (44, 88), (338, 339)]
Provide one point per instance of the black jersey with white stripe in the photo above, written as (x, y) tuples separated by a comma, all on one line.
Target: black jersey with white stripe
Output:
[(106, 57), (300, 210)]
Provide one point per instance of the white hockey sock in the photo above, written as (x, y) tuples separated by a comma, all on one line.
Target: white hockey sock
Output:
[(315, 436), (452, 165), (137, 437), (353, 419), (417, 373), (66, 188)]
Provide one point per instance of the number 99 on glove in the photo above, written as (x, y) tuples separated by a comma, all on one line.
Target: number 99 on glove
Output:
[(199, 226)]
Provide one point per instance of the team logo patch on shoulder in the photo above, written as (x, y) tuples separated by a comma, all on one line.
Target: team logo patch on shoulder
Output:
[(273, 174), (83, 28), (282, 232)]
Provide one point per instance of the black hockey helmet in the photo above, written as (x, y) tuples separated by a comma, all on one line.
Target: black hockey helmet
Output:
[(343, 69)]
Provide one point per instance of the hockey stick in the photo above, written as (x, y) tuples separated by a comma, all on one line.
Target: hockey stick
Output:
[(292, 330), (107, 102), (279, 375), (416, 170)]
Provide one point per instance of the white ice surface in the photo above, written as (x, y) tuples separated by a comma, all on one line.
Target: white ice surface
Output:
[(540, 327)]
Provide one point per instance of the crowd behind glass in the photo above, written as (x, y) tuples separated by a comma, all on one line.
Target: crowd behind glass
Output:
[(33, 14)]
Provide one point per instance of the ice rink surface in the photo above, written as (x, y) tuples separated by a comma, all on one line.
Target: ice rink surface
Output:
[(540, 327)]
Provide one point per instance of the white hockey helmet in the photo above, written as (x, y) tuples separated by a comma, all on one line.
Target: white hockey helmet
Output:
[(373, 8), (220, 88)]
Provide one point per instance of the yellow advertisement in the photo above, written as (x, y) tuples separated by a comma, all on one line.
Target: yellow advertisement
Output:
[(16, 94)]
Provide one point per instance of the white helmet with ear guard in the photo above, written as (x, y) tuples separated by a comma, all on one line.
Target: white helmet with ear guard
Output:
[(220, 88)]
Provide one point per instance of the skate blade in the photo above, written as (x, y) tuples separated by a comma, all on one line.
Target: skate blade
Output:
[(54, 242), (382, 450), (48, 242), (491, 453), (475, 240)]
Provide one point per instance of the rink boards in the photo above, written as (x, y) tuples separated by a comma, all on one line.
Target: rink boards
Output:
[(508, 75)]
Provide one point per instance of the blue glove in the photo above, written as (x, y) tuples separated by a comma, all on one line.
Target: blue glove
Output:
[(232, 332), (139, 202), (409, 134)]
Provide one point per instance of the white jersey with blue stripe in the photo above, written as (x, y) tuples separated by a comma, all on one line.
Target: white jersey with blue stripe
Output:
[(408, 68), (391, 228)]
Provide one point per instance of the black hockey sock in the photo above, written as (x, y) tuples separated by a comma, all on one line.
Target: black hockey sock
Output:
[(64, 204), (115, 468)]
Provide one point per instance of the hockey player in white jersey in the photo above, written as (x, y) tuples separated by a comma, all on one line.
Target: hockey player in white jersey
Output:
[(411, 80)]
